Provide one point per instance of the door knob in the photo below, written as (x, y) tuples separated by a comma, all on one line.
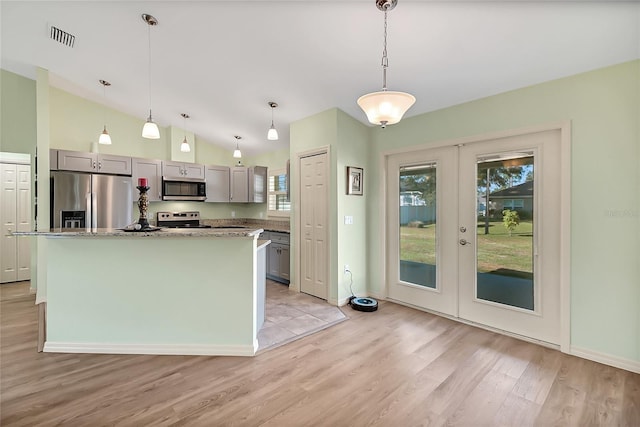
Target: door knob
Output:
[(463, 242)]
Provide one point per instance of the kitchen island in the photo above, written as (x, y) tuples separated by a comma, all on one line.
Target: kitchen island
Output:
[(172, 291)]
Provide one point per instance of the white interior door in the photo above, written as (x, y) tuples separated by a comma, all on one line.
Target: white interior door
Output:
[(473, 231), (8, 218), (23, 221), (422, 206), (313, 220)]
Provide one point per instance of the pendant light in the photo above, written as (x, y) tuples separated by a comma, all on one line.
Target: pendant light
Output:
[(105, 138), (150, 129), (185, 147), (237, 153), (385, 107), (272, 134)]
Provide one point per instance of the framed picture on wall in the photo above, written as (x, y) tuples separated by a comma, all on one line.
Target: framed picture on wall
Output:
[(354, 181)]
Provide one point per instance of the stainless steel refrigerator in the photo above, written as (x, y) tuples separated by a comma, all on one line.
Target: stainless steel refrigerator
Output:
[(81, 200)]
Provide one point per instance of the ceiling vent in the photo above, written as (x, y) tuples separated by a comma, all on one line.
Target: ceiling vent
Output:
[(61, 36)]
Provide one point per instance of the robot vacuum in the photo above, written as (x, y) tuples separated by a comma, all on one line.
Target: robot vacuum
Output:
[(363, 304)]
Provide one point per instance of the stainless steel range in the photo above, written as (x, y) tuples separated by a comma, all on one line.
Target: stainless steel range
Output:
[(189, 219)]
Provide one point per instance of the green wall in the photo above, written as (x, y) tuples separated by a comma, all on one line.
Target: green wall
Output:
[(76, 124), (348, 140), (17, 113), (311, 133), (603, 107), (352, 148)]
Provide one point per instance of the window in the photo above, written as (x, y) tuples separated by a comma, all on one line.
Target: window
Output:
[(279, 204), (513, 204)]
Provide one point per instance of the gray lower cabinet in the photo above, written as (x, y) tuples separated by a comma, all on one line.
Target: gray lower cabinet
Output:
[(278, 260)]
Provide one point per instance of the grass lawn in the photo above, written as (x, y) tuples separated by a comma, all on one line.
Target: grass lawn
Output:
[(496, 250)]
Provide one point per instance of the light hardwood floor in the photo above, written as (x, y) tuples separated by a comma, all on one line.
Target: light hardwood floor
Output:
[(394, 367)]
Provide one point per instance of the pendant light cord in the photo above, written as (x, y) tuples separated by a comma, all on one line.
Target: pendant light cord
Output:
[(185, 116), (149, 69), (104, 110), (385, 60)]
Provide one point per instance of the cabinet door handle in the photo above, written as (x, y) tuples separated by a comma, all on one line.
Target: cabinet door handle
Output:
[(99, 165), (94, 165)]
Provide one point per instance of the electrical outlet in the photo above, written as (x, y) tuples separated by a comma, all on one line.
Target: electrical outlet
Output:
[(233, 214), (347, 269)]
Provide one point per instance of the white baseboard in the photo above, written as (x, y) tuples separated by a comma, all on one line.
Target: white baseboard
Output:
[(376, 295), (607, 359), (156, 349), (343, 301)]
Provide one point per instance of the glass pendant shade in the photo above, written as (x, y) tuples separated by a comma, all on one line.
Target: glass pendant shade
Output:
[(104, 139), (237, 154), (386, 107), (272, 135), (185, 147), (150, 129)]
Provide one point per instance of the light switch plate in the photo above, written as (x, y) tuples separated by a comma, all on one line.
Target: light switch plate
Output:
[(348, 220)]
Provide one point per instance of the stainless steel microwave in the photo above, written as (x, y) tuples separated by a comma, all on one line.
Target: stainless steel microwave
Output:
[(183, 189)]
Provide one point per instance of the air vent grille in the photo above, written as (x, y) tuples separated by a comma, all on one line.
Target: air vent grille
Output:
[(61, 36)]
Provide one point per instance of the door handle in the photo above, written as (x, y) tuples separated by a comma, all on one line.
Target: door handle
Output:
[(464, 242)]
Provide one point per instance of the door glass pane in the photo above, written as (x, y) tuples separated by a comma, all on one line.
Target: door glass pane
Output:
[(417, 206), (505, 229)]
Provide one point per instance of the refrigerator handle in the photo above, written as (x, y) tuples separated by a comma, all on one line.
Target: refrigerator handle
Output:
[(94, 210)]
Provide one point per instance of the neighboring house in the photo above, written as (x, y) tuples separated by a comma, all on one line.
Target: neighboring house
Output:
[(518, 198)]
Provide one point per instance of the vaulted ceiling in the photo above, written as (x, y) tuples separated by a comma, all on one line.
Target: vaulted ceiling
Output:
[(223, 61)]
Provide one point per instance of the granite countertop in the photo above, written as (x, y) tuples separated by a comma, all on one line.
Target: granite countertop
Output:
[(264, 224), (162, 232)]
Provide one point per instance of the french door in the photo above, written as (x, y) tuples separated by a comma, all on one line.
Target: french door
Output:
[(473, 232)]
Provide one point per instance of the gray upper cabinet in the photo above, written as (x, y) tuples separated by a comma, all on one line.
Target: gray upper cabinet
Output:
[(152, 170), (93, 162), (119, 165), (53, 160), (248, 184), (239, 185), (257, 176), (182, 170), (218, 189), (77, 161)]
